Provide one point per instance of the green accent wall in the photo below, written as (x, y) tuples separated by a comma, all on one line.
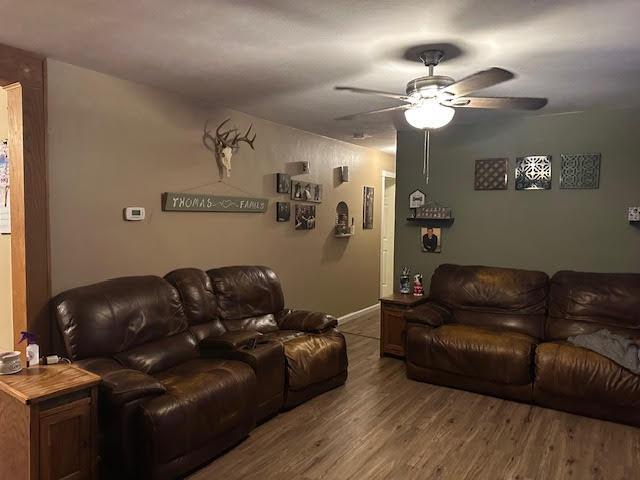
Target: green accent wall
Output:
[(585, 230)]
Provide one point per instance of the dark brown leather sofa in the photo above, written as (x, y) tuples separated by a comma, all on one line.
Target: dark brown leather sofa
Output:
[(241, 300), (503, 332), (578, 380), (187, 371)]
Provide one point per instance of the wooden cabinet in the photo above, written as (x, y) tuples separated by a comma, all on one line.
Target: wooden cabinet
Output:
[(48, 424), (392, 323)]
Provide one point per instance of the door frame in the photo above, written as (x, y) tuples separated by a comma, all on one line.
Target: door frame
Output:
[(384, 174), (23, 76)]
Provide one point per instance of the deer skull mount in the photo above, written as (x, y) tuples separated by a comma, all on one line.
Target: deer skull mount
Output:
[(225, 144)]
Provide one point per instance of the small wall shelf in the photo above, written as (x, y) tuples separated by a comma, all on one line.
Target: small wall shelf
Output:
[(342, 228), (445, 222)]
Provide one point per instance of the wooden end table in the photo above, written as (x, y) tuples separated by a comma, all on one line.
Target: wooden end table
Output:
[(392, 323), (48, 424)]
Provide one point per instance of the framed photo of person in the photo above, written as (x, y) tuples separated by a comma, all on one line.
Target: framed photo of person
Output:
[(283, 211), (431, 239), (305, 217), (367, 208), (306, 191), (283, 183)]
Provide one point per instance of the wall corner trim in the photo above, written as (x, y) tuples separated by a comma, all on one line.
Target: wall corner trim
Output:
[(359, 313)]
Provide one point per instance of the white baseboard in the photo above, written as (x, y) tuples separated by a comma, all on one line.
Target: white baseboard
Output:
[(360, 313)]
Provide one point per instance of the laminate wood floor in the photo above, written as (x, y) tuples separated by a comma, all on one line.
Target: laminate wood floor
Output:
[(381, 425)]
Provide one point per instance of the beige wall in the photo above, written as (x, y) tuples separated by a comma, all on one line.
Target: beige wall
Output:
[(6, 322), (113, 143)]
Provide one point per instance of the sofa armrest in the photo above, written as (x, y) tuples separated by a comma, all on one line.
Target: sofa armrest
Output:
[(431, 314), (230, 340), (305, 321), (121, 385)]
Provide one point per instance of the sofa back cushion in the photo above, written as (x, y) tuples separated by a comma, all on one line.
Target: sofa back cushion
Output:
[(199, 301), (248, 297), (506, 298), (116, 315), (588, 302)]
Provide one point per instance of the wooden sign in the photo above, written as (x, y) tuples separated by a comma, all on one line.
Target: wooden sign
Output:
[(205, 202)]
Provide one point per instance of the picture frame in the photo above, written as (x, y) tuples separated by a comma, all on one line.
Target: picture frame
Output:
[(283, 211), (367, 208), (283, 183), (431, 239), (306, 191), (417, 198), (305, 217)]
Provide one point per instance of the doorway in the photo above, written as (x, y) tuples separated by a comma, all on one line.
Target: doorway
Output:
[(388, 220), (23, 79)]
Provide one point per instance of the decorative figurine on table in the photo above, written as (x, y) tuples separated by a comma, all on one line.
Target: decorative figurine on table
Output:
[(405, 281), (418, 289)]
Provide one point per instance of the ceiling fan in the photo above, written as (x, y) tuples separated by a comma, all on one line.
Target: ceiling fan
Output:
[(430, 101)]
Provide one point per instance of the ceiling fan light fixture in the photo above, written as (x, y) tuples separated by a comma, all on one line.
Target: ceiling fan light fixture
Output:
[(429, 115)]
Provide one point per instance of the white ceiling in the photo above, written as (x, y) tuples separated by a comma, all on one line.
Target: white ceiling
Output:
[(279, 59)]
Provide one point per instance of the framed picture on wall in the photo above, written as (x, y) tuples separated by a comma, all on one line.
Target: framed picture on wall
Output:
[(367, 208), (306, 191), (431, 239), (283, 211), (305, 217), (283, 183)]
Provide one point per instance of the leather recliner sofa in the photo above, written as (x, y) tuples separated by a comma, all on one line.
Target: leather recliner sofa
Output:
[(190, 364), (503, 332)]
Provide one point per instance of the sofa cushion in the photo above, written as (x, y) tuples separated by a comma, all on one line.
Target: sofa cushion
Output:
[(505, 298), (205, 398), (263, 324), (246, 291), (109, 317), (493, 355), (283, 335), (571, 371), (196, 292), (313, 359), (588, 302)]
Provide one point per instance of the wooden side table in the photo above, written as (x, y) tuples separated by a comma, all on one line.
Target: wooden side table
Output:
[(392, 323), (48, 424)]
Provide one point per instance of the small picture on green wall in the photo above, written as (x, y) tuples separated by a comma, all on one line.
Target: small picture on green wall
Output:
[(431, 239)]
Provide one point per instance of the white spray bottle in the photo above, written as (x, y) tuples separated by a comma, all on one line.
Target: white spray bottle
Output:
[(33, 350)]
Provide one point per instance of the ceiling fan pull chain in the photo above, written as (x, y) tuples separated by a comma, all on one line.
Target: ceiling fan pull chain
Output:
[(427, 149)]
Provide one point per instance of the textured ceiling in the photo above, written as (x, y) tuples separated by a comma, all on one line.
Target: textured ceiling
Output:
[(279, 59)]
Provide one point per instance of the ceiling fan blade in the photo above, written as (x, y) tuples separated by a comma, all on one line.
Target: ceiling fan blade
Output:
[(517, 103), (379, 93), (380, 110), (478, 81)]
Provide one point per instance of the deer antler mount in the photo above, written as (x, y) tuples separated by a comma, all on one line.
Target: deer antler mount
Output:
[(225, 144)]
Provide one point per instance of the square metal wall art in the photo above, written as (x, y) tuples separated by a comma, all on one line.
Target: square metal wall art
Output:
[(533, 172), (581, 170), (491, 174)]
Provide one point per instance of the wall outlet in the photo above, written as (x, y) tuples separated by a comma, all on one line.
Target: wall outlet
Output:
[(634, 214)]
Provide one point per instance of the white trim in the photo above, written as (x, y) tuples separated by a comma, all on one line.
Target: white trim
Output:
[(383, 175), (360, 313)]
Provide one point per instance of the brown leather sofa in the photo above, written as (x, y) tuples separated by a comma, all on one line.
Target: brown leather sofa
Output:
[(578, 380), (188, 370), (489, 330), (250, 299)]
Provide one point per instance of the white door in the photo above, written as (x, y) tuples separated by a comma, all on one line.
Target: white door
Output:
[(388, 228)]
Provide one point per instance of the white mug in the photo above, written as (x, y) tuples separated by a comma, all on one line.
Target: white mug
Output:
[(10, 363)]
